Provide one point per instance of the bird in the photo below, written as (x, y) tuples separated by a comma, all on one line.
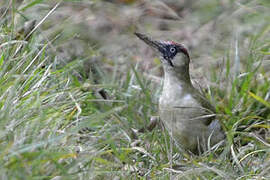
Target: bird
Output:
[(186, 113)]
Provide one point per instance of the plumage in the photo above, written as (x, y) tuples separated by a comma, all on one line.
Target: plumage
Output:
[(186, 113)]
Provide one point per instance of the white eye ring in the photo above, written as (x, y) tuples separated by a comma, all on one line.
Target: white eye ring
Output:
[(172, 49)]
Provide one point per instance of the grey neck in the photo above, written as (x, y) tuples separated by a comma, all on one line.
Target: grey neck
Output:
[(181, 75)]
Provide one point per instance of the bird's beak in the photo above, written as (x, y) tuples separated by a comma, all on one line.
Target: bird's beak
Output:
[(155, 44)]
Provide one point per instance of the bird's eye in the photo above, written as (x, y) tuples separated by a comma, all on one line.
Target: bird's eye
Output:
[(172, 49)]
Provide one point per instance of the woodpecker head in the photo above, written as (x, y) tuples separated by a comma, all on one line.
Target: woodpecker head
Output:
[(174, 56)]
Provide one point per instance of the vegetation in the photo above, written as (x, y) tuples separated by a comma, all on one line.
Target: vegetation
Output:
[(78, 90)]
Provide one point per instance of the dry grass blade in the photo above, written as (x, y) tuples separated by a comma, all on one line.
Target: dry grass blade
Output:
[(222, 174), (235, 159)]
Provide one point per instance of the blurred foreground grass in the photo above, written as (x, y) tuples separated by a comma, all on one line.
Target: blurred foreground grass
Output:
[(71, 109)]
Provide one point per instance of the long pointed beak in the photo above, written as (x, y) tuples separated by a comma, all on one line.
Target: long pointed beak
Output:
[(149, 41)]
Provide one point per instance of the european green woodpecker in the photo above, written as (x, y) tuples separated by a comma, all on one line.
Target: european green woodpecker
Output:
[(187, 115)]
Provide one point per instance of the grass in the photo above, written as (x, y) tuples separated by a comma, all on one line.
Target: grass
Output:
[(58, 120)]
